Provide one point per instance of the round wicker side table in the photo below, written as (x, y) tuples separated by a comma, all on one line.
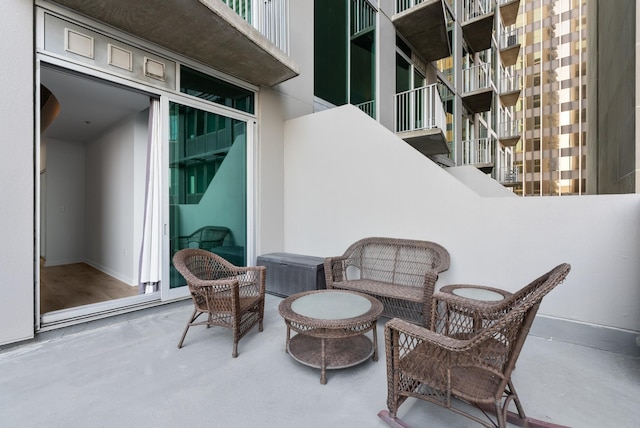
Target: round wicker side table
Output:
[(331, 327)]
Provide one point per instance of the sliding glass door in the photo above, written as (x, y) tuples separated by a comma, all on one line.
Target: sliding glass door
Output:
[(207, 184)]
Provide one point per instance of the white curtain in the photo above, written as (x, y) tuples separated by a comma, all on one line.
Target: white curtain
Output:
[(150, 269)]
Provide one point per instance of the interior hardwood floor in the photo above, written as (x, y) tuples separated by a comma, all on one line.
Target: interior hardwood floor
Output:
[(78, 284)]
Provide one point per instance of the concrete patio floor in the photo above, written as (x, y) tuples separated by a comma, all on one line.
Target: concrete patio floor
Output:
[(127, 372)]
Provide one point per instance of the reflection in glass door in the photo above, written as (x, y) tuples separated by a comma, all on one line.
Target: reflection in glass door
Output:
[(208, 185)]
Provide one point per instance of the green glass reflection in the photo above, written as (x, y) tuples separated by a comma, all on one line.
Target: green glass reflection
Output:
[(218, 91), (207, 189), (330, 50)]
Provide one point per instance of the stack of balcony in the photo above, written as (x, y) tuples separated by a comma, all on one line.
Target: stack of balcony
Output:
[(419, 113)]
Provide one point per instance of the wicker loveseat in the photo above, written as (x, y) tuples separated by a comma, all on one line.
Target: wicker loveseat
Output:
[(401, 273)]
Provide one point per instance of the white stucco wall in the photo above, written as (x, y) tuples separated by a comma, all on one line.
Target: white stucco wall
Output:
[(17, 252), (346, 177)]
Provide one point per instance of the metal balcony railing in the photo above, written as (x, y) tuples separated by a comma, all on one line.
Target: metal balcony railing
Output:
[(510, 82), (476, 77), (270, 17), (402, 5), (478, 152), (508, 175), (508, 39), (510, 128), (419, 108), (368, 107), (475, 8), (363, 17)]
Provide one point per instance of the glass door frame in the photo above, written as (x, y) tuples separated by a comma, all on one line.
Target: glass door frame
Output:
[(167, 293), (69, 316)]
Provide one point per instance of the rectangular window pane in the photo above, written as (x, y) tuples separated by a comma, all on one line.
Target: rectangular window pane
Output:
[(218, 91), (207, 193), (330, 51)]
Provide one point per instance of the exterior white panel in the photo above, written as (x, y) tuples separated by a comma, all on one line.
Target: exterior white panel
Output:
[(373, 184), (17, 250)]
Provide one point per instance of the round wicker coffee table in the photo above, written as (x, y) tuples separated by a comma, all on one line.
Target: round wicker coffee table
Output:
[(331, 326)]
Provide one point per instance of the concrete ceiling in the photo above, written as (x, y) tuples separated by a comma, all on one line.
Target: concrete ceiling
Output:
[(207, 31), (88, 107)]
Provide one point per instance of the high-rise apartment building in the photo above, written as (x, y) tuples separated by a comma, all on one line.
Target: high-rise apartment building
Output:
[(440, 74), (551, 157), (613, 138)]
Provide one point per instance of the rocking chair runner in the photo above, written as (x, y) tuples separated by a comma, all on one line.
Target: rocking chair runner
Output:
[(230, 296), (469, 355)]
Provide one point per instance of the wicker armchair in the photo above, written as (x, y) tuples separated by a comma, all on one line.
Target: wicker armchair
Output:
[(230, 296), (469, 357)]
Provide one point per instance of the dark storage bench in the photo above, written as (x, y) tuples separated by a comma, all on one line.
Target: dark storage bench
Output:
[(289, 274)]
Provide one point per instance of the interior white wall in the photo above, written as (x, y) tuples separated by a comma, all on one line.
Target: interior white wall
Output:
[(64, 225), (17, 252), (139, 184), (112, 214), (347, 177)]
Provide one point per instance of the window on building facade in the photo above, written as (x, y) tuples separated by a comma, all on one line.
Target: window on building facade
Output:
[(345, 53), (331, 51), (212, 89)]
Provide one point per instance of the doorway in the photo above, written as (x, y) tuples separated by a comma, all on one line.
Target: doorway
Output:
[(93, 158)]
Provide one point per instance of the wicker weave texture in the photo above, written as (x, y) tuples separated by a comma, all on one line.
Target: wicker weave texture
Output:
[(229, 296), (470, 353), (401, 273), (342, 341)]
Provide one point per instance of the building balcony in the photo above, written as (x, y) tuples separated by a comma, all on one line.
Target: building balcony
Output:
[(423, 23), (421, 121), (509, 47), (478, 88), (509, 132), (252, 47), (508, 177), (510, 88), (477, 23), (509, 11), (479, 153), (369, 108)]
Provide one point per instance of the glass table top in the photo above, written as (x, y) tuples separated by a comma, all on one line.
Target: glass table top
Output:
[(331, 305)]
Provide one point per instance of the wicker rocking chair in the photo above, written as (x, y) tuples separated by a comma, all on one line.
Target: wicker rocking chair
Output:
[(230, 296), (468, 356)]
